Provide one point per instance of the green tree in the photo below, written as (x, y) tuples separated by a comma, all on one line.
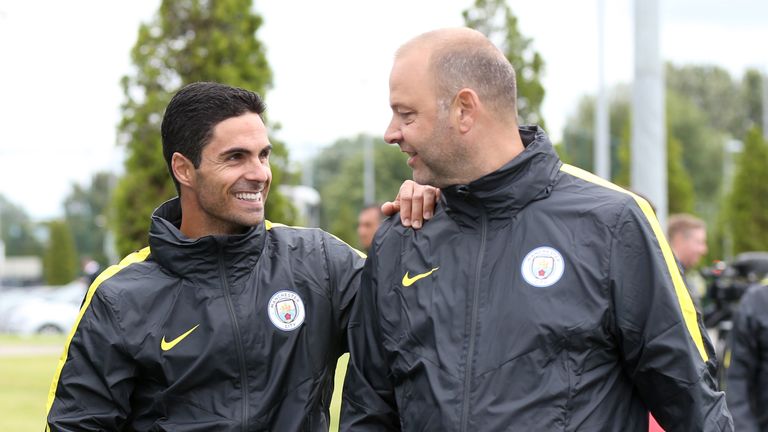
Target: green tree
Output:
[(579, 137), (495, 19), (701, 151), (85, 210), (579, 133), (187, 41), (621, 175), (338, 173), (60, 261), (680, 194), (17, 230), (748, 219), (712, 90), (752, 95)]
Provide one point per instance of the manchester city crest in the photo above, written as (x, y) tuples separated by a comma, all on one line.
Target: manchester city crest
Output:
[(286, 310), (542, 266)]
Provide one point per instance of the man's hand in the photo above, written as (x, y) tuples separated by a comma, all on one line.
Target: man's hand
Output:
[(416, 203)]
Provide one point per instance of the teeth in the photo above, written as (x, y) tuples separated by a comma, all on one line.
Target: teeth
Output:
[(248, 196)]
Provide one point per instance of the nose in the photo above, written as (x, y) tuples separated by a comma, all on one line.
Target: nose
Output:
[(393, 134), (258, 170)]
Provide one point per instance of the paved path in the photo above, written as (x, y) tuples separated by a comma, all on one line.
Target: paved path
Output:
[(30, 350)]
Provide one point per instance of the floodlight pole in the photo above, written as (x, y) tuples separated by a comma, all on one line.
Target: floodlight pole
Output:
[(602, 149), (648, 146)]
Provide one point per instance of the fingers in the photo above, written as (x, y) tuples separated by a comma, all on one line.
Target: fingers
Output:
[(415, 202), (417, 206), (406, 201), (431, 197), (390, 207)]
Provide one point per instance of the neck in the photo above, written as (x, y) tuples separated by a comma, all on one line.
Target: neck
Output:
[(497, 149), (191, 224), (195, 223)]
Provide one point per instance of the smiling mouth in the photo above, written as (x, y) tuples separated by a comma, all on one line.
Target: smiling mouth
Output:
[(411, 154), (249, 196)]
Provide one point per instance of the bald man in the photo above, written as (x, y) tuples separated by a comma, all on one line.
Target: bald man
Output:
[(539, 296)]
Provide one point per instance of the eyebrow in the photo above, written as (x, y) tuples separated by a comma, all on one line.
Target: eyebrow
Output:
[(399, 106), (243, 150)]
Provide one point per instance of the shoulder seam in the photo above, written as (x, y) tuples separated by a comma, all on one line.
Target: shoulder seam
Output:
[(270, 225)]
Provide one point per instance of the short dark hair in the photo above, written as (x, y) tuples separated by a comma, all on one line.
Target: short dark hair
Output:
[(193, 113), (372, 206)]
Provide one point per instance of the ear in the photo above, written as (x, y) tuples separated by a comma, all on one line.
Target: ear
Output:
[(183, 169), (466, 106)]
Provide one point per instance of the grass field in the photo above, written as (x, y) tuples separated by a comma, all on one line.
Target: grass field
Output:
[(24, 383), (25, 380), (13, 340)]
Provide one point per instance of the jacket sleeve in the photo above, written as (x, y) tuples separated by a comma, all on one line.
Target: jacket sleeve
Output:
[(369, 396), (664, 347), (91, 389), (346, 265), (742, 373)]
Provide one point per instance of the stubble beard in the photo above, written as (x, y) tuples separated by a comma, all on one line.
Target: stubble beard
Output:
[(443, 166), (221, 217)]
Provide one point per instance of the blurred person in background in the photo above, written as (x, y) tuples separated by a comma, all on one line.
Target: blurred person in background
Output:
[(687, 236), (91, 270), (368, 221)]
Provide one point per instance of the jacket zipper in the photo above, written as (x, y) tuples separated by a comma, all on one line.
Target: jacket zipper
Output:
[(238, 342), (473, 325)]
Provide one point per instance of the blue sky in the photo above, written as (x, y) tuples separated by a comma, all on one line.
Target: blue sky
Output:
[(62, 62)]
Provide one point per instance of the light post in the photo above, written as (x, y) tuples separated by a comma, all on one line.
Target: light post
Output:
[(648, 174), (601, 150)]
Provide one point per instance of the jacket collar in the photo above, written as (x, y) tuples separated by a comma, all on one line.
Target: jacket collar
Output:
[(188, 257), (502, 193)]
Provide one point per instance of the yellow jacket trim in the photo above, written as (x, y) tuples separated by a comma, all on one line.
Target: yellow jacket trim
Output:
[(682, 293), (135, 257)]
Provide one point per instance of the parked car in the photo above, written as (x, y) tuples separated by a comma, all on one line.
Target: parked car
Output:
[(12, 297), (52, 310)]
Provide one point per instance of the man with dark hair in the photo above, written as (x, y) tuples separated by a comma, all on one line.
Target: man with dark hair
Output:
[(538, 297), (368, 221), (226, 321)]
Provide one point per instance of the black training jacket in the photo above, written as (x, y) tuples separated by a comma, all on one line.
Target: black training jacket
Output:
[(747, 376), (222, 333), (538, 298)]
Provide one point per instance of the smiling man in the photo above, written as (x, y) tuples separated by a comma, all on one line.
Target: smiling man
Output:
[(226, 322), (538, 298)]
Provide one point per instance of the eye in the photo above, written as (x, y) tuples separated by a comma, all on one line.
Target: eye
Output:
[(234, 156), (264, 155), (406, 116)]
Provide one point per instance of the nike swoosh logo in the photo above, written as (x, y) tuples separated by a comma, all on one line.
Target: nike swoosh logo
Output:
[(165, 346), (408, 281)]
